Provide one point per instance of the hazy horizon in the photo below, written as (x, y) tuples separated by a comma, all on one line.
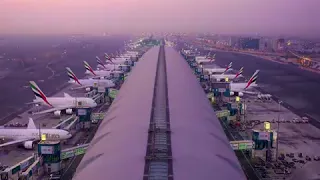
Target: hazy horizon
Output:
[(265, 17)]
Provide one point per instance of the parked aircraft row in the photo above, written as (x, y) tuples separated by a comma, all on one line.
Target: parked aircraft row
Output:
[(114, 67), (219, 74), (68, 103)]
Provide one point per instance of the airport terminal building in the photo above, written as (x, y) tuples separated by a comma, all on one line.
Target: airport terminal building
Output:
[(160, 126)]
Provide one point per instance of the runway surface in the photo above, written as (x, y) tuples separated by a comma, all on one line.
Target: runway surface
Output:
[(48, 69), (296, 87)]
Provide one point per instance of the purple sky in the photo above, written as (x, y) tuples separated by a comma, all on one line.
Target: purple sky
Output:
[(292, 17)]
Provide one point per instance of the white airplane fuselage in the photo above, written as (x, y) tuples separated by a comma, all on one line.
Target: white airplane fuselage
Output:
[(240, 87), (120, 62), (105, 73), (215, 70), (51, 134), (223, 76), (205, 61), (114, 67), (94, 83), (68, 102)]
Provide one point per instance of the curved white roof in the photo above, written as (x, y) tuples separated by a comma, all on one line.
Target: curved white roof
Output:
[(200, 148), (118, 149)]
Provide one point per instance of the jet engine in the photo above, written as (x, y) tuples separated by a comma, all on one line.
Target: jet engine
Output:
[(69, 111), (88, 89), (28, 145), (236, 94), (57, 113)]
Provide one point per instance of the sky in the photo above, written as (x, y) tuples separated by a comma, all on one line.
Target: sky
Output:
[(270, 17)]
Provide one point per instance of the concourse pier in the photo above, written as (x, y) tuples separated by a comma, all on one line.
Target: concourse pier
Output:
[(160, 126)]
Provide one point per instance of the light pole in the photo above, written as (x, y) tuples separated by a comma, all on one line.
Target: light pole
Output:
[(277, 148)]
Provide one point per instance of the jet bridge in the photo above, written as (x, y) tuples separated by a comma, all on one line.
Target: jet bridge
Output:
[(65, 122), (74, 151), (33, 170), (14, 172)]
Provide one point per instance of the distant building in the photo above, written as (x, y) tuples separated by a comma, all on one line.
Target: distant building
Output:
[(249, 43), (265, 45), (234, 42), (280, 45)]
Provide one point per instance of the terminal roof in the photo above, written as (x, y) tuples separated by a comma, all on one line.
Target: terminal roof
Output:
[(118, 149), (200, 147)]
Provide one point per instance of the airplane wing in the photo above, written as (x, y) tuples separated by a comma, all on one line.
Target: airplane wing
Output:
[(50, 110), (251, 92), (16, 142), (81, 87), (32, 102), (67, 95)]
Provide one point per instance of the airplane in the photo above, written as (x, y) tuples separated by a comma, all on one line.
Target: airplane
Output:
[(113, 63), (27, 137), (110, 66), (57, 104), (218, 70), (101, 73), (122, 61), (211, 58), (238, 89), (222, 76), (88, 83), (205, 59)]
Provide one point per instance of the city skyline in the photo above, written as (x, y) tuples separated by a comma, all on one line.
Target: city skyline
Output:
[(272, 17)]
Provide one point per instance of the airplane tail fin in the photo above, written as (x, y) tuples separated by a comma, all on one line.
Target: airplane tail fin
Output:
[(228, 67), (31, 124), (212, 58), (239, 72), (108, 58), (38, 93), (72, 76), (88, 67), (253, 79), (100, 62)]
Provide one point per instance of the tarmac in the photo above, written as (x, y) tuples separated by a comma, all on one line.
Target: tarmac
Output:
[(51, 77), (296, 87), (48, 71), (12, 155), (293, 137)]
